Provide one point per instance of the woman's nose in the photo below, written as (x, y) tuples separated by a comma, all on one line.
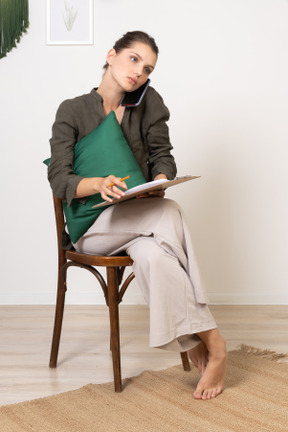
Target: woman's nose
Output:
[(138, 71)]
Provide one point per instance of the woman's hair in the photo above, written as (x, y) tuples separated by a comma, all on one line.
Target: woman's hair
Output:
[(129, 38)]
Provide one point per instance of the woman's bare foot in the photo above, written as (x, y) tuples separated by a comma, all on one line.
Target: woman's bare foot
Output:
[(199, 356), (211, 382)]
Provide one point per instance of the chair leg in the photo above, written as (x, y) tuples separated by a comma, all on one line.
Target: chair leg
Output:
[(185, 361), (112, 284), (60, 302)]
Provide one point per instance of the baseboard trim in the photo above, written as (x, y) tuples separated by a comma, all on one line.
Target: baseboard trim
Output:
[(247, 299)]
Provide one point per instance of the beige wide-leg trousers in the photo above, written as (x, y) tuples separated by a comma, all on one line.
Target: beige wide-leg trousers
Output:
[(154, 233)]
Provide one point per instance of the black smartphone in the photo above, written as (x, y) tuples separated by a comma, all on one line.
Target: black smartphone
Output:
[(132, 99)]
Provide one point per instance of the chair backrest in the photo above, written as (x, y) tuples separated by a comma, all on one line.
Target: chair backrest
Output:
[(59, 220)]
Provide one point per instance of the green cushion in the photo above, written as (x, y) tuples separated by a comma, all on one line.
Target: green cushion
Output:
[(103, 152)]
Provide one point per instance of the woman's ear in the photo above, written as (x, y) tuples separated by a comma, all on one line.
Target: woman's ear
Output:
[(111, 54)]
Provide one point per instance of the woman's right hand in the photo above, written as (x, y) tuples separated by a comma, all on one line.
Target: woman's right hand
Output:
[(108, 187)]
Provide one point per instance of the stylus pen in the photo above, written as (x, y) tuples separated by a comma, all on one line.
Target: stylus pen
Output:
[(122, 179)]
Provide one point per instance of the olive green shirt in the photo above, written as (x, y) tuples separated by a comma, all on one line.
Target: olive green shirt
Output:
[(144, 127)]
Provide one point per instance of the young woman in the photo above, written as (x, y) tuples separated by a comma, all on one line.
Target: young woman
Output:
[(152, 230)]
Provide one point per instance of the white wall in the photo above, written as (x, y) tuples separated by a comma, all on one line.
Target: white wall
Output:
[(223, 71)]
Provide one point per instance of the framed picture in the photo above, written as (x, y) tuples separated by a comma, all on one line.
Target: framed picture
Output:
[(69, 22)]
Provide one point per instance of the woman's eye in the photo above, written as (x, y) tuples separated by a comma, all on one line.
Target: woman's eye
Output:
[(147, 70), (134, 59)]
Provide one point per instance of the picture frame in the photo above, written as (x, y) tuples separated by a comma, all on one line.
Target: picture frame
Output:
[(69, 22)]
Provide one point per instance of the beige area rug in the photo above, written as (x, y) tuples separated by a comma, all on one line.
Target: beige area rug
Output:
[(255, 400)]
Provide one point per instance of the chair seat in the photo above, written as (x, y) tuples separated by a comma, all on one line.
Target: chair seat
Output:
[(101, 261)]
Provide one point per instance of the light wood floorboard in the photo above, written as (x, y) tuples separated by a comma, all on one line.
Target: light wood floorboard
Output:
[(84, 357)]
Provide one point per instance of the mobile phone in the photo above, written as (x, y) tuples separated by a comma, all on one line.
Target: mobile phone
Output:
[(132, 99)]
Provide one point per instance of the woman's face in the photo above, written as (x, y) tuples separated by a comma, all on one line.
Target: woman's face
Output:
[(131, 67)]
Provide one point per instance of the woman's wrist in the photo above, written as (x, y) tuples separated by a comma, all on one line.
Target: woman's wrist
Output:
[(87, 186)]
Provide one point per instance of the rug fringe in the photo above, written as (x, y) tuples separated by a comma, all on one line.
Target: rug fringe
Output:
[(267, 354)]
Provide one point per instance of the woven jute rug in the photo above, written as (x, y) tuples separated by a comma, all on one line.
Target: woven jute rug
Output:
[(255, 399)]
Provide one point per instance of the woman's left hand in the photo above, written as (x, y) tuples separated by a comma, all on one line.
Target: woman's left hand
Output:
[(156, 193), (152, 194)]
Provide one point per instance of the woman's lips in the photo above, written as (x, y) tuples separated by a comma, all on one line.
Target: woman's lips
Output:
[(132, 80)]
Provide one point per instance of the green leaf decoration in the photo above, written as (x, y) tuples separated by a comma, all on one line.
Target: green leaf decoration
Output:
[(14, 21)]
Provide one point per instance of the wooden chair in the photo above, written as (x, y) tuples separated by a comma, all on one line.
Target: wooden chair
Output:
[(112, 289)]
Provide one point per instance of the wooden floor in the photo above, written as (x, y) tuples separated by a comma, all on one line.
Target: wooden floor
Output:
[(25, 337)]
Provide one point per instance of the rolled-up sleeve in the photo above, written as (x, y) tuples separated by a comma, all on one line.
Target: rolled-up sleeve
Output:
[(62, 179), (160, 157)]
